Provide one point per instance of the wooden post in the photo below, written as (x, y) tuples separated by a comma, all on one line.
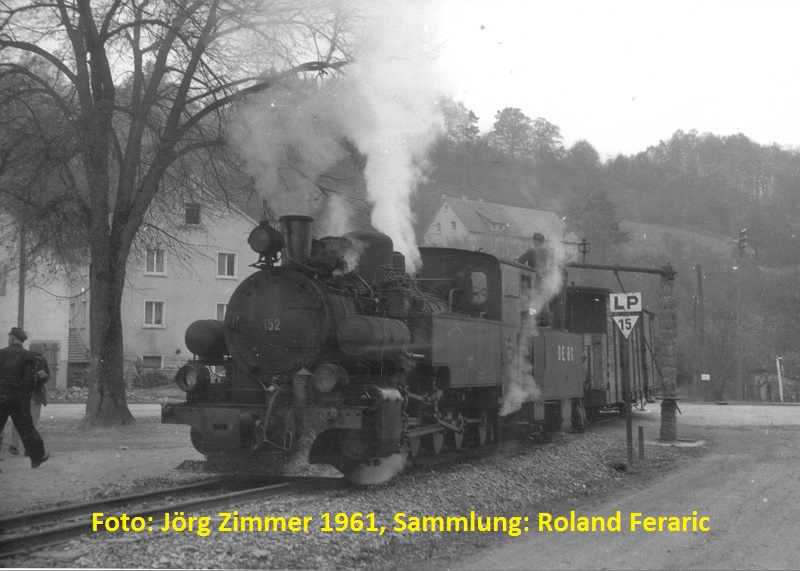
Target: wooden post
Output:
[(641, 442), (626, 388), (780, 378)]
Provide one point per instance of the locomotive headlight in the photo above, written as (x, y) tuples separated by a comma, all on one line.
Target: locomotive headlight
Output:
[(327, 376), (265, 240), (190, 376)]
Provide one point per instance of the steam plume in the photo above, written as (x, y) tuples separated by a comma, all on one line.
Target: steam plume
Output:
[(384, 105)]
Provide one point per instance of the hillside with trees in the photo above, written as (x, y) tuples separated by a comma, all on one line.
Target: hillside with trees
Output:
[(682, 201)]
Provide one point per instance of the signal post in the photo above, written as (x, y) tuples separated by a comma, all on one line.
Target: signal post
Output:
[(626, 309)]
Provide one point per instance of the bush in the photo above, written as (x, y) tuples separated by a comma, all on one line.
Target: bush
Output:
[(77, 377)]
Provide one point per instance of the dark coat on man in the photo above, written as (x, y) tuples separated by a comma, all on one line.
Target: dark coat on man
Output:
[(17, 373), (17, 382)]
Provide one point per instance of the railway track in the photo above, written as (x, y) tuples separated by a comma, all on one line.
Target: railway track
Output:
[(22, 533)]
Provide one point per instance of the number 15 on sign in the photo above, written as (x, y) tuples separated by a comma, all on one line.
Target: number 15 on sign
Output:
[(626, 323)]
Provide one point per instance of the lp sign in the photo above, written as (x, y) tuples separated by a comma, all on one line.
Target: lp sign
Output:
[(624, 302), (626, 323), (625, 310)]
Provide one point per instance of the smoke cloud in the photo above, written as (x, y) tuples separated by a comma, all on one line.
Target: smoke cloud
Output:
[(384, 104), (521, 386)]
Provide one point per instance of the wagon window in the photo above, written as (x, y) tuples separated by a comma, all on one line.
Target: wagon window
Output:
[(479, 283)]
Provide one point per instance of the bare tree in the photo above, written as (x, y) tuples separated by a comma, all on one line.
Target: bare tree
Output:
[(141, 87)]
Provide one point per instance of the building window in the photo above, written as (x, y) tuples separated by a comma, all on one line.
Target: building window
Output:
[(155, 261), (453, 225), (438, 226), (226, 265), (152, 362), (154, 314), (192, 214), (221, 308)]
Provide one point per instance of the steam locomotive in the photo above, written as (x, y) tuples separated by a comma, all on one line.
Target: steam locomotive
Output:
[(331, 356)]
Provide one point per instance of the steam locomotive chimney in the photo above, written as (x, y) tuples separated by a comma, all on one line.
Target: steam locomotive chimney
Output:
[(297, 232)]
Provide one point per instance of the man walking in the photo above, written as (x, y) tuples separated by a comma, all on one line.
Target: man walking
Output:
[(39, 397), (17, 381)]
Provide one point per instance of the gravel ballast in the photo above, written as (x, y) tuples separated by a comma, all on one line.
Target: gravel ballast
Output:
[(573, 468)]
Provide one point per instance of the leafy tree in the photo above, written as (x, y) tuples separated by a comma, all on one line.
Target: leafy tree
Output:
[(461, 123), (141, 89), (546, 139), (511, 132)]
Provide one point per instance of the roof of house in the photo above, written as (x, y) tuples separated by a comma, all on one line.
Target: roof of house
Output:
[(478, 216)]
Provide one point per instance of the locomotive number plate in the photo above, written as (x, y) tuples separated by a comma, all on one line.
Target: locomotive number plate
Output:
[(272, 324), (565, 353)]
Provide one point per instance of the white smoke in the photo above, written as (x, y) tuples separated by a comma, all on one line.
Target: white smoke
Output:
[(521, 386), (384, 103), (335, 221)]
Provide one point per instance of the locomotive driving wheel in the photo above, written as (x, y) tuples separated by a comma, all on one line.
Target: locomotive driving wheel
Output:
[(414, 445), (437, 438), (458, 435), (483, 430)]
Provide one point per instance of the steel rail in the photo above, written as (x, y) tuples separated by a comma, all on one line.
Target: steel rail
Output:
[(22, 544), (61, 513)]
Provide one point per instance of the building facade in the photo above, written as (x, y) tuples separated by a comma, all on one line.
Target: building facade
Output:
[(170, 287), (167, 288), (504, 231)]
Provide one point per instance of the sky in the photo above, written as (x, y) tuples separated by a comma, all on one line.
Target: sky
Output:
[(624, 75), (620, 74)]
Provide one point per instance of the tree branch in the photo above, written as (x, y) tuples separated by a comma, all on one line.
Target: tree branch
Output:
[(34, 49)]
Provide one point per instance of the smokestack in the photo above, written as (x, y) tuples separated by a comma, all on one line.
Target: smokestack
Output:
[(297, 232)]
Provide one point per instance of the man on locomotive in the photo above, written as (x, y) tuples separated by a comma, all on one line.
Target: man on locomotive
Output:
[(538, 257)]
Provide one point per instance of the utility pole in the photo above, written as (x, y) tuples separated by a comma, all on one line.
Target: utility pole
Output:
[(701, 329), (21, 284), (741, 249)]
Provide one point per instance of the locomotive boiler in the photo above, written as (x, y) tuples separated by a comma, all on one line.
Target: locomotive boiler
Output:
[(331, 356)]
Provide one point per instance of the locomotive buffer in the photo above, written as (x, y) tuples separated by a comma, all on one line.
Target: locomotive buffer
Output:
[(625, 311)]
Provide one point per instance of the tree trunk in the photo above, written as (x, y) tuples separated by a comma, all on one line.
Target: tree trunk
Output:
[(107, 404)]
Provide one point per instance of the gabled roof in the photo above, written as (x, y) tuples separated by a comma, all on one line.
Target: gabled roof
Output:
[(478, 217)]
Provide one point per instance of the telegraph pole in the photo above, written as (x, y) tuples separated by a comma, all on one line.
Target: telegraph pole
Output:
[(741, 248), (701, 330)]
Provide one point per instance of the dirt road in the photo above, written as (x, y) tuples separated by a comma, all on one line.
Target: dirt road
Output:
[(748, 487), (86, 462)]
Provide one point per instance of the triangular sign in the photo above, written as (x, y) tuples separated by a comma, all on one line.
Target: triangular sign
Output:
[(626, 323)]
